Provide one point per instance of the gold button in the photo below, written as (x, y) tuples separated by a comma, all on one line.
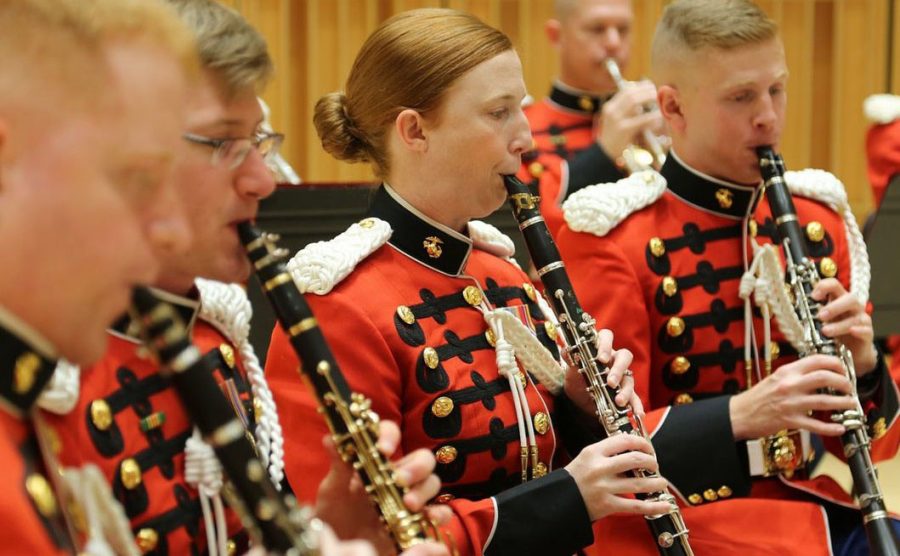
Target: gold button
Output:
[(41, 493), (431, 358), (675, 327), (147, 539), (586, 103), (227, 354), (367, 223), (695, 499), (529, 291), (683, 399), (406, 314), (539, 470), (669, 286), (442, 406), (491, 337), (657, 247), (774, 350), (558, 139), (541, 422), (101, 414), (25, 373), (828, 267), (724, 197), (754, 228), (536, 169), (815, 231), (231, 547), (710, 495), (724, 492), (444, 498), (879, 428), (551, 329), (473, 296), (130, 473), (680, 365), (446, 454)]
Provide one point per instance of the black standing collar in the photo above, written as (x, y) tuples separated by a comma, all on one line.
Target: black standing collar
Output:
[(26, 365), (186, 307), (419, 237), (575, 100), (706, 192)]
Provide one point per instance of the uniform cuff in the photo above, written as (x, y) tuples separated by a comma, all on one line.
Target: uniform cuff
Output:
[(545, 516), (697, 453)]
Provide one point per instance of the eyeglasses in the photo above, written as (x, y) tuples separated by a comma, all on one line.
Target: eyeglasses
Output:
[(233, 151)]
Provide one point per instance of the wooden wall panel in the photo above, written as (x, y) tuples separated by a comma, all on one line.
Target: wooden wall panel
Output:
[(838, 52)]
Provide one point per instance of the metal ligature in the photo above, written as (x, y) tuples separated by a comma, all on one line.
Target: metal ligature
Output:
[(353, 424), (649, 156), (670, 535), (802, 277), (273, 521)]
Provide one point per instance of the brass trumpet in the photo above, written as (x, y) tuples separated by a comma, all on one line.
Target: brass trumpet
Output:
[(652, 154)]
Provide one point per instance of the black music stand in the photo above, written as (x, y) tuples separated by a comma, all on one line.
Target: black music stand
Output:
[(883, 241)]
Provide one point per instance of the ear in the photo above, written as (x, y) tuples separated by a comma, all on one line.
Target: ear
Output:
[(410, 128), (552, 29), (669, 99)]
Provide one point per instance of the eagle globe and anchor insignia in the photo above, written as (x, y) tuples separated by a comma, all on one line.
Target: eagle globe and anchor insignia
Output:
[(433, 247)]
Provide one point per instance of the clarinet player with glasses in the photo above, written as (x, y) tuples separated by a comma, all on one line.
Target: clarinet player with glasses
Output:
[(129, 419), (732, 409), (430, 318)]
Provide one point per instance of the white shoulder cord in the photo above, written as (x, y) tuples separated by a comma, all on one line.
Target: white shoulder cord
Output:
[(506, 365), (227, 307), (824, 187), (108, 528), (203, 471)]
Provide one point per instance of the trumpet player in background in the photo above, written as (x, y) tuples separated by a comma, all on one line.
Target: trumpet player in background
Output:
[(126, 418), (668, 260), (582, 129)]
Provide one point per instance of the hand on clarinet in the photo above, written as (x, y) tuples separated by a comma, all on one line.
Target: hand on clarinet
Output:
[(618, 361), (600, 471), (784, 399), (845, 319), (343, 504)]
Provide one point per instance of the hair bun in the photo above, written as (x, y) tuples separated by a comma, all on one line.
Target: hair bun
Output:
[(336, 130)]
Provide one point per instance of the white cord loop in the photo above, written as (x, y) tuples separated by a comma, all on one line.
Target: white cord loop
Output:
[(203, 471)]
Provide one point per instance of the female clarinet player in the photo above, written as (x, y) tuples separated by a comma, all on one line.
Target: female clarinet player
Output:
[(431, 319)]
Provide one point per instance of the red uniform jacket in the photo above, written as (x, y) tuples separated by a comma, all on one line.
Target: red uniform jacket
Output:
[(31, 511), (130, 422), (565, 157), (665, 280), (400, 319)]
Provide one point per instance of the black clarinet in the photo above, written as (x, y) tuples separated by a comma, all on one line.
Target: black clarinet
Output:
[(669, 531), (803, 277), (353, 424), (273, 521)]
